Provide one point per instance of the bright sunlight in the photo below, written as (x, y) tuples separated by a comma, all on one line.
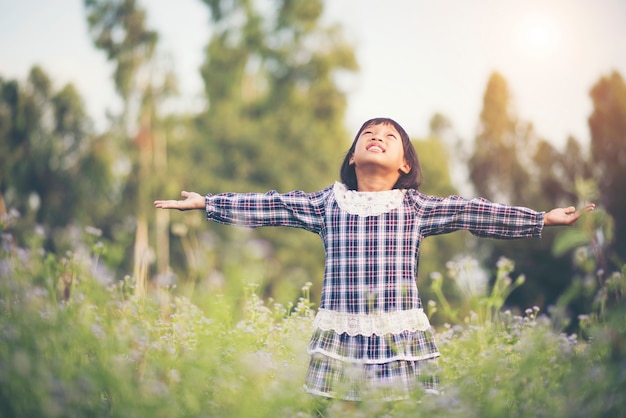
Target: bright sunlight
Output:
[(537, 36)]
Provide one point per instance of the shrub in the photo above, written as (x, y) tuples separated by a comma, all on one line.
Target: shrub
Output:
[(75, 345)]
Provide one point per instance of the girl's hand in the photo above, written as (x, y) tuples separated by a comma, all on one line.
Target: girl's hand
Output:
[(565, 216), (192, 200)]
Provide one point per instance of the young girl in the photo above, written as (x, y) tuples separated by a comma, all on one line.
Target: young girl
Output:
[(372, 337)]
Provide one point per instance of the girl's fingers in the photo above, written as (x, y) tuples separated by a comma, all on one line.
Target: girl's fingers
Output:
[(166, 204), (190, 200), (589, 208)]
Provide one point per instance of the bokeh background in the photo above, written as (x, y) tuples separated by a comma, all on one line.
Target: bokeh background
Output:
[(108, 105), (110, 308)]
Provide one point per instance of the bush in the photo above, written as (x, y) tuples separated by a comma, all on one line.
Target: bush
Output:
[(75, 345)]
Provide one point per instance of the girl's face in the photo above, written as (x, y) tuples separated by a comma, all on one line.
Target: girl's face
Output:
[(380, 146)]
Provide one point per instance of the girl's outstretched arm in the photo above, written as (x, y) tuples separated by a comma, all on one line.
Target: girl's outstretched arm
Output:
[(565, 216), (192, 200)]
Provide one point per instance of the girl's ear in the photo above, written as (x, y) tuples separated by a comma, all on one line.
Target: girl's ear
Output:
[(405, 168), (351, 161)]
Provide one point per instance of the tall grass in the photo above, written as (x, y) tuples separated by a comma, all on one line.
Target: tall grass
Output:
[(75, 344)]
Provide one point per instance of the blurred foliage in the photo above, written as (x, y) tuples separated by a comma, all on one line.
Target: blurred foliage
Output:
[(54, 170), (78, 344), (497, 168), (202, 341), (435, 252), (608, 149), (118, 27), (511, 164), (274, 120)]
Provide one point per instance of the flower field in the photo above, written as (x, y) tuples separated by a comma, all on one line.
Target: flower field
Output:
[(73, 345)]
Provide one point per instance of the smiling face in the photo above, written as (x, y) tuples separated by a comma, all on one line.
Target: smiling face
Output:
[(379, 148)]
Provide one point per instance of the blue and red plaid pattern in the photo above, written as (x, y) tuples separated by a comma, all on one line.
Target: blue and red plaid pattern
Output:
[(374, 349), (392, 380), (372, 262)]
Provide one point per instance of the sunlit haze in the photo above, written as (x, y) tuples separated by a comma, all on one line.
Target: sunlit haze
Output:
[(537, 36), (416, 57)]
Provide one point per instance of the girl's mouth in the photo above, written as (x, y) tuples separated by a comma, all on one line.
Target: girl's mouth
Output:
[(375, 148)]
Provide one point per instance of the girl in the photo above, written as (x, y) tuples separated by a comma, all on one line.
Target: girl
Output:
[(371, 336)]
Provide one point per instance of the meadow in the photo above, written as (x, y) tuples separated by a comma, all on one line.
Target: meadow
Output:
[(75, 345)]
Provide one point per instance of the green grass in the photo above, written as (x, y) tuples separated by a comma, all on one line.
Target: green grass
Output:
[(75, 345)]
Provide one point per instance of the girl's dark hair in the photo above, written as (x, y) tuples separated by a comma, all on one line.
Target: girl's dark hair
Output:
[(411, 180)]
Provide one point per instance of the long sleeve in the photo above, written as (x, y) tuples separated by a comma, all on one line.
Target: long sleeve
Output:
[(479, 216), (295, 209)]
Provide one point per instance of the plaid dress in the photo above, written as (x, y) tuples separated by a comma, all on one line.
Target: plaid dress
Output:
[(371, 336)]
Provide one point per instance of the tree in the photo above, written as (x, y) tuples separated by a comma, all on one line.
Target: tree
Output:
[(274, 119), (119, 28), (53, 169), (435, 159), (496, 166), (608, 148), (512, 165), (272, 95)]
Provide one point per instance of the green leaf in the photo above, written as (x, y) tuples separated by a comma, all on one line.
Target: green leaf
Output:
[(568, 240)]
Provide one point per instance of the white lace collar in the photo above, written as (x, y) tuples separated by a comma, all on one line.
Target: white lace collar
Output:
[(367, 203)]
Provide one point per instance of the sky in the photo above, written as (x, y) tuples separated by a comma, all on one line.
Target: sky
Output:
[(416, 57)]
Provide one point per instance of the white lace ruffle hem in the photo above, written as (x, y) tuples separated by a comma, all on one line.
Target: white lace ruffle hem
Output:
[(372, 324)]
